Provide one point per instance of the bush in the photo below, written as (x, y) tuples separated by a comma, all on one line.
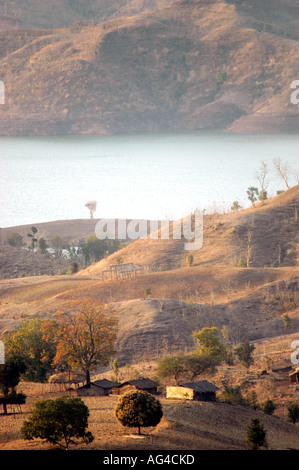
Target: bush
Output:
[(256, 435), (233, 395), (58, 422), (268, 407), (140, 408)]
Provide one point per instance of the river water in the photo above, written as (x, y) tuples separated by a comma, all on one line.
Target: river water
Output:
[(150, 176)]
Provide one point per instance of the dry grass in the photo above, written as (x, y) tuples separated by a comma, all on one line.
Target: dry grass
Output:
[(192, 425)]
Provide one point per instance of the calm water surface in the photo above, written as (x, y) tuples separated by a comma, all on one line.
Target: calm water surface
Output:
[(151, 176)]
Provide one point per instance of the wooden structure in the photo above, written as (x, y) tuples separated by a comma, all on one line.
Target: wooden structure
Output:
[(97, 388), (294, 375), (121, 271), (147, 385), (203, 391)]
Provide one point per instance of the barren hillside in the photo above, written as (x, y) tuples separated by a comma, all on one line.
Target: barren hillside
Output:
[(264, 236), (185, 65)]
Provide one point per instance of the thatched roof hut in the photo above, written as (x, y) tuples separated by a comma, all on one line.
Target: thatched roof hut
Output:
[(64, 378), (147, 385), (202, 390), (98, 387)]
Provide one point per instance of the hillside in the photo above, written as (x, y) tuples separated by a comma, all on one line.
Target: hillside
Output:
[(267, 235), (250, 301), (167, 65)]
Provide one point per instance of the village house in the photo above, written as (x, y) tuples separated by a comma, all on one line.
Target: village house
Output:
[(98, 387), (203, 391), (147, 385), (294, 375)]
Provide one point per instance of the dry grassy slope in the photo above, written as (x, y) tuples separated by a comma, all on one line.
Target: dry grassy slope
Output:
[(226, 239), (250, 301), (251, 305), (59, 14), (157, 70)]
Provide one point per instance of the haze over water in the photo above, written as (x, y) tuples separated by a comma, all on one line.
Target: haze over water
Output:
[(149, 176)]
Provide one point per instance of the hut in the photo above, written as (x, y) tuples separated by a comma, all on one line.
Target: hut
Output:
[(121, 271), (97, 388), (66, 378), (203, 391), (294, 375), (147, 385)]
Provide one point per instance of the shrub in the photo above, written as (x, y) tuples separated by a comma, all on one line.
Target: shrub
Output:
[(139, 408), (256, 435), (58, 422), (269, 407)]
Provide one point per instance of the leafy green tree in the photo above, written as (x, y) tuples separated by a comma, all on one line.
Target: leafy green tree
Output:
[(233, 395), (268, 407), (293, 412), (263, 195), (256, 435), (139, 409), (244, 352), (9, 379), (15, 239), (28, 345), (59, 422), (42, 245), (209, 342), (171, 366), (73, 268), (95, 249), (197, 364), (236, 206), (252, 194)]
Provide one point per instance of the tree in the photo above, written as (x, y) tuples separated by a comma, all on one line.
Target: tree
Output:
[(9, 378), (171, 366), (139, 409), (42, 245), (197, 364), (86, 336), (287, 321), (186, 365), (58, 422), (252, 194), (208, 340), (269, 407), (293, 412), (92, 207), (29, 345), (95, 249), (236, 206), (256, 435), (282, 170), (15, 239), (33, 237), (244, 352), (189, 260), (262, 179)]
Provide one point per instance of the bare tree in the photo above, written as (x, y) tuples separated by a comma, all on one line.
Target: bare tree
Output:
[(263, 181), (282, 170), (92, 206)]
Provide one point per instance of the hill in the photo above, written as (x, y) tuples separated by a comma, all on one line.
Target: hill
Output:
[(266, 235), (188, 64)]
